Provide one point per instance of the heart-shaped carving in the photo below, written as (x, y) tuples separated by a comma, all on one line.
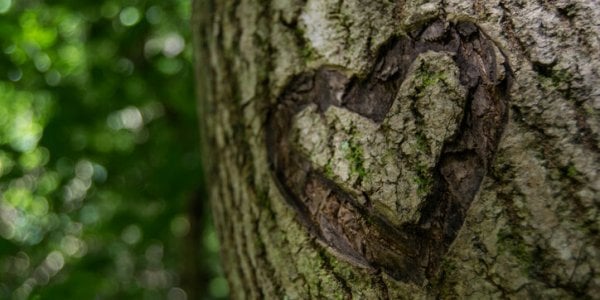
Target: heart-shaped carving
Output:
[(382, 169)]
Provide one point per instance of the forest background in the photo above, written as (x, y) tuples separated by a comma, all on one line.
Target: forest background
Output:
[(101, 192)]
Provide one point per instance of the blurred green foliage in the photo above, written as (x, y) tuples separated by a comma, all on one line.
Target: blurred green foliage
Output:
[(101, 193)]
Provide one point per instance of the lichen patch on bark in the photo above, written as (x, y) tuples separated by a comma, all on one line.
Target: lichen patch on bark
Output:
[(389, 162)]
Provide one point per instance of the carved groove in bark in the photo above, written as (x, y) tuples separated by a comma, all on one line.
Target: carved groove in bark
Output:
[(410, 251)]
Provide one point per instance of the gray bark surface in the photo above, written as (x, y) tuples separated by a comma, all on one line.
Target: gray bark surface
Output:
[(318, 199)]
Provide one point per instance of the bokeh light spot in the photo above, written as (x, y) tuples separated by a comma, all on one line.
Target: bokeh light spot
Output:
[(180, 226), (131, 234), (55, 261), (53, 77), (176, 294), (173, 45), (42, 62), (154, 253), (90, 214), (73, 246), (169, 66), (5, 5), (154, 14), (211, 242), (84, 169), (129, 16), (128, 118), (218, 287), (15, 75)]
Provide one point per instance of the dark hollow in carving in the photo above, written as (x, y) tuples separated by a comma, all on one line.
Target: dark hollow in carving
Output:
[(412, 251)]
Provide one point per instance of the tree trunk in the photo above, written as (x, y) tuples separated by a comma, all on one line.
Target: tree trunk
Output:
[(403, 149)]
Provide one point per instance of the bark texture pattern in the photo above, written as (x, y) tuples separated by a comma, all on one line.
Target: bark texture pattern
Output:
[(383, 169), (532, 228)]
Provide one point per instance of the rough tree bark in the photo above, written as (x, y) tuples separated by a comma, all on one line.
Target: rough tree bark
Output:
[(403, 149)]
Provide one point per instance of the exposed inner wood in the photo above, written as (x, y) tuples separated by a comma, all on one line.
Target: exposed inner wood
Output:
[(410, 251)]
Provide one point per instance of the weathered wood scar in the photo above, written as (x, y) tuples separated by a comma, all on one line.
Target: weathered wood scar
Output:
[(382, 169)]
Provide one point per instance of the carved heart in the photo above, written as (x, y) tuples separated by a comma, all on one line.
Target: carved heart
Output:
[(382, 169)]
